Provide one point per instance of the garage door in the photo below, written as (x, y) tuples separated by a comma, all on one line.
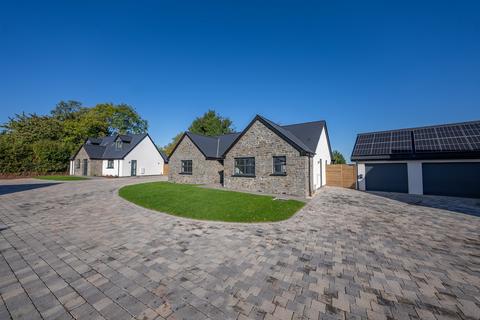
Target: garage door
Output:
[(452, 179), (390, 177)]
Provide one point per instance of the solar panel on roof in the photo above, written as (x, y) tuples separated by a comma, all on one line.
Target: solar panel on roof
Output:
[(454, 144), (471, 129), (364, 145), (474, 142), (426, 140), (454, 139), (402, 141), (381, 143), (366, 138)]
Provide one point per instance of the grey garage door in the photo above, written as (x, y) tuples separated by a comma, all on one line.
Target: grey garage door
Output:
[(452, 179), (390, 177)]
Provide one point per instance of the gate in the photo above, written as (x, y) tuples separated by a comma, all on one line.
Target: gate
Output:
[(342, 175)]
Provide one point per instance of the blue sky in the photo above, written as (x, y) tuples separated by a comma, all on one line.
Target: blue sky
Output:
[(360, 65)]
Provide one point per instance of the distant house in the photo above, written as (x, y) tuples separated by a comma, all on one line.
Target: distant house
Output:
[(264, 157), (119, 156), (434, 160)]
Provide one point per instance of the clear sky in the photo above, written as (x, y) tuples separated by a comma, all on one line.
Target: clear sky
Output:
[(360, 65)]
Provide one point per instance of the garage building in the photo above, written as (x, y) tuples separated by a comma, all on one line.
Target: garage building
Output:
[(434, 160)]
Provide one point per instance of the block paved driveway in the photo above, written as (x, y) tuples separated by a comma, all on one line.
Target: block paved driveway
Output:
[(76, 250)]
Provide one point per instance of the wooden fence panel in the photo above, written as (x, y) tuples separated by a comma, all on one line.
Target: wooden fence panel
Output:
[(342, 175), (166, 169)]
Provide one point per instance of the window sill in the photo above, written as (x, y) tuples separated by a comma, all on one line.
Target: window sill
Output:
[(278, 175), (243, 176), (185, 173)]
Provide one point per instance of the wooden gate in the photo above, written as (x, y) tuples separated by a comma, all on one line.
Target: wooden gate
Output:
[(166, 169), (342, 175)]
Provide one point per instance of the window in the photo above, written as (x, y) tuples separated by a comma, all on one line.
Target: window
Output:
[(186, 167), (244, 167), (280, 165), (77, 164), (118, 145), (110, 164)]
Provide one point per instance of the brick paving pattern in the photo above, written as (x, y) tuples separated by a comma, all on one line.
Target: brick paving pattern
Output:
[(76, 250)]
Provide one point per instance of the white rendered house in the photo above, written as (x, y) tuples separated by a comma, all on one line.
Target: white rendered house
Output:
[(118, 156)]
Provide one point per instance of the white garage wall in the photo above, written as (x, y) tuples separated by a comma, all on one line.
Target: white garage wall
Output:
[(148, 158), (361, 176), (415, 177), (322, 155)]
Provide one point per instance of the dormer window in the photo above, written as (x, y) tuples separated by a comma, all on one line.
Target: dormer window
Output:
[(118, 145)]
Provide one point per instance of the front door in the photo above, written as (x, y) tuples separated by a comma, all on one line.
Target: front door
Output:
[(221, 173), (133, 173), (85, 167)]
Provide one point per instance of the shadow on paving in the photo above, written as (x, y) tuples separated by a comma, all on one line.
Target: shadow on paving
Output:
[(461, 205), (12, 188)]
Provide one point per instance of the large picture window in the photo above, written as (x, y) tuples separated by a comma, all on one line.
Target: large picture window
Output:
[(186, 167), (110, 164), (280, 165), (245, 167)]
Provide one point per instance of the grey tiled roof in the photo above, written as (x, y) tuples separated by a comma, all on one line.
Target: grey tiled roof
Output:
[(104, 148), (309, 132), (296, 140), (304, 136), (164, 156), (212, 147)]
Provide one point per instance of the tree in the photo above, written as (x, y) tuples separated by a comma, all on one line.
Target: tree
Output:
[(66, 109), (169, 147), (211, 124), (122, 118), (338, 157), (35, 143), (126, 120)]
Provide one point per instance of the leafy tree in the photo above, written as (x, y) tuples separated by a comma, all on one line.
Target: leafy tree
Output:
[(32, 127), (169, 147), (51, 156), (66, 109), (211, 124), (338, 157), (34, 143)]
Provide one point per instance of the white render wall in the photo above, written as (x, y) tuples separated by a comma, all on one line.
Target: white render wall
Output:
[(322, 155), (148, 158), (111, 172), (414, 171)]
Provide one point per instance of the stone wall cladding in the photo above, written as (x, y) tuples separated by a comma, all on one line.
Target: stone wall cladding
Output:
[(262, 143), (203, 171), (94, 167)]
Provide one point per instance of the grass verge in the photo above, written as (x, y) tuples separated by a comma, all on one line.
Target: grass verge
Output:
[(191, 201)]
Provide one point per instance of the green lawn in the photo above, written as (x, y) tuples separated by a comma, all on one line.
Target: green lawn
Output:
[(194, 202), (61, 178)]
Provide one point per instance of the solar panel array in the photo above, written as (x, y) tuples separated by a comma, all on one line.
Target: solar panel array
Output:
[(449, 138)]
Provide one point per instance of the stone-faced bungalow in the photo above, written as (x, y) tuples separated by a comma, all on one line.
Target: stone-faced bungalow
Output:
[(118, 156), (265, 157)]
